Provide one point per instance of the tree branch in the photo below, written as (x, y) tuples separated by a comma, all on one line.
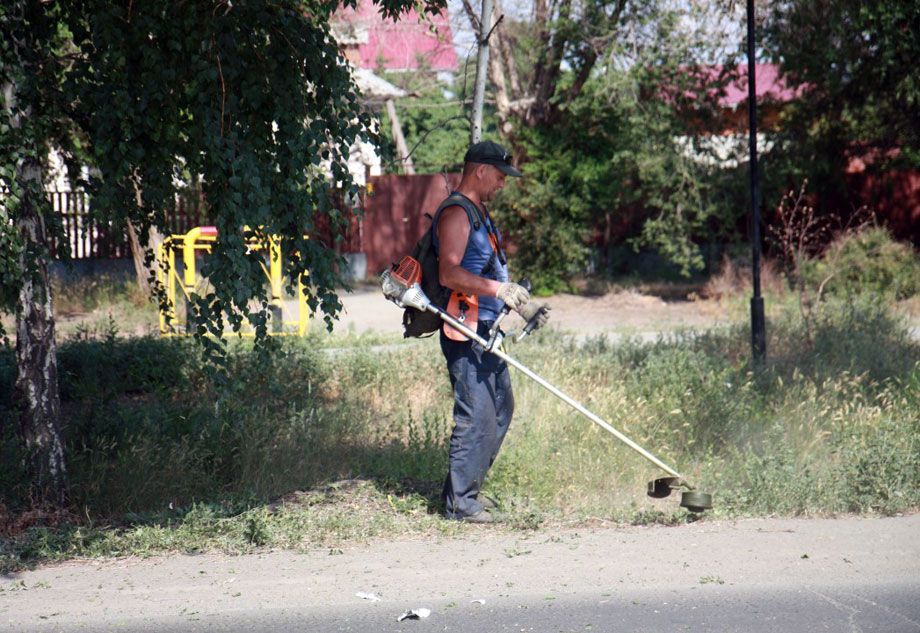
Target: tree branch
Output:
[(401, 159), (471, 15)]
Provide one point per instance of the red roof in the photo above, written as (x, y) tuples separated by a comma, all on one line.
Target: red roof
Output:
[(400, 45), (770, 86)]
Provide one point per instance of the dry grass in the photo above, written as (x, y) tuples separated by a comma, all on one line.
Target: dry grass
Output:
[(14, 523), (734, 279)]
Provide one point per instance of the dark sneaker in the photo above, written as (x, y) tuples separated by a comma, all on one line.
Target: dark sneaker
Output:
[(482, 516), (487, 502)]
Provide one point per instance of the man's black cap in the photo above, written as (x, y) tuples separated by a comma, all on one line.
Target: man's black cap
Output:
[(491, 153)]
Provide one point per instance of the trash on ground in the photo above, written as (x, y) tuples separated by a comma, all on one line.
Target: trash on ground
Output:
[(367, 596), (414, 614), (478, 601)]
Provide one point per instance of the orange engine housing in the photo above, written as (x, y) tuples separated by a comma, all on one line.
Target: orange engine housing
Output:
[(408, 271)]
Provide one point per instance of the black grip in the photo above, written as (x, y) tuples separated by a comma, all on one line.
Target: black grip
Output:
[(533, 321)]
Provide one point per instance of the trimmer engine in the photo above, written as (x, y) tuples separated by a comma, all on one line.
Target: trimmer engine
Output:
[(408, 271), (400, 284)]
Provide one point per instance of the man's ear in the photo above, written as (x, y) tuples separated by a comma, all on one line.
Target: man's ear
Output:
[(482, 170)]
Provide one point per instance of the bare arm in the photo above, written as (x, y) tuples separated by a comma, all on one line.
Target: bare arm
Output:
[(453, 232)]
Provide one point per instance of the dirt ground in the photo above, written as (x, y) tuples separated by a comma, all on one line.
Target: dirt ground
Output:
[(722, 574), (627, 311), (365, 310), (633, 312)]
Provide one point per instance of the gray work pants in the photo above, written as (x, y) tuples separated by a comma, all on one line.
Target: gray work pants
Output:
[(483, 405)]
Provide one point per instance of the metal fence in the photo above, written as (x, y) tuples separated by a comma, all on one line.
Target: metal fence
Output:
[(85, 237), (91, 238)]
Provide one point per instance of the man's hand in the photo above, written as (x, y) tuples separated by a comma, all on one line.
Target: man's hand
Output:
[(538, 309), (514, 295)]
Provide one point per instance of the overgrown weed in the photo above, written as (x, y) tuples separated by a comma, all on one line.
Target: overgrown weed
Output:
[(93, 305)]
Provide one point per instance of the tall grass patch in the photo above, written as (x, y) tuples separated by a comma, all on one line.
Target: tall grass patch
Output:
[(147, 425), (321, 445), (828, 425)]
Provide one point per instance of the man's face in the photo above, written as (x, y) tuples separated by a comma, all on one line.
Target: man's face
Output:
[(492, 180)]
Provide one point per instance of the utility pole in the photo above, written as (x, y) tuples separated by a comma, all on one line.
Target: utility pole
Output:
[(401, 147), (758, 326), (482, 68)]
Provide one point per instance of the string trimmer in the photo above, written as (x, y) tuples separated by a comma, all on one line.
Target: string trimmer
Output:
[(401, 285)]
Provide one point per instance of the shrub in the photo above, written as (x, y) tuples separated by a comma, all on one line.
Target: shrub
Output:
[(867, 262)]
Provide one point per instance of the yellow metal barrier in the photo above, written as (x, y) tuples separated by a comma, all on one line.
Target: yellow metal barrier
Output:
[(200, 239)]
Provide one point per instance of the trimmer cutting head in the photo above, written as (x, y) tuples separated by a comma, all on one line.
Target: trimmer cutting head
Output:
[(696, 501), (691, 499), (400, 284)]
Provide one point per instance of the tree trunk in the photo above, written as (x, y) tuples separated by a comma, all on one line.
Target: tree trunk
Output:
[(401, 147), (144, 270), (35, 395), (482, 66), (36, 400)]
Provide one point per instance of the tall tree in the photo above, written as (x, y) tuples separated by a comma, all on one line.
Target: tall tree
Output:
[(539, 66), (253, 98), (592, 95), (27, 120), (854, 65)]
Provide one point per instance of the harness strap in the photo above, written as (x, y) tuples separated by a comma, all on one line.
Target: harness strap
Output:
[(472, 209)]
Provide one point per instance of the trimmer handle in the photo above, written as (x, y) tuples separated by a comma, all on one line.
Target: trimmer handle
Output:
[(505, 311), (532, 323)]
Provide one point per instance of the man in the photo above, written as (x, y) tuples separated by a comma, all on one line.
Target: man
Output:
[(471, 262)]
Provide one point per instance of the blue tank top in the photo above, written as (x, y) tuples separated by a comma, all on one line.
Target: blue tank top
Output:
[(478, 254)]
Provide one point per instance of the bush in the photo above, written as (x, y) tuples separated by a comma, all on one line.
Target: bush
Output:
[(867, 262), (546, 225)]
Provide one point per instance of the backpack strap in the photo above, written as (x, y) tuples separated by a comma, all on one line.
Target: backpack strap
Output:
[(489, 265), (490, 228), (458, 199), (475, 217)]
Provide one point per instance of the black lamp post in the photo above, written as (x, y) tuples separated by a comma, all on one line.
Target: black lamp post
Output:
[(758, 327)]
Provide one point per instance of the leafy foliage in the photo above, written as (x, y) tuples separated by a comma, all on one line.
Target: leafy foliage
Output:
[(855, 66), (29, 40), (252, 99), (608, 170)]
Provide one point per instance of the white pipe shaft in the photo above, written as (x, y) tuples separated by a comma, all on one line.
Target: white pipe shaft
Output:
[(553, 390)]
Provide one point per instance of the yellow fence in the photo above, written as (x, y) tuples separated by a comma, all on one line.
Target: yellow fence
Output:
[(198, 242)]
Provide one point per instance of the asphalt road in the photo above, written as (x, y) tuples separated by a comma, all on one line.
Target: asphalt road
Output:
[(780, 575)]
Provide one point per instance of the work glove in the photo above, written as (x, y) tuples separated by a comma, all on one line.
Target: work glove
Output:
[(514, 295), (536, 308)]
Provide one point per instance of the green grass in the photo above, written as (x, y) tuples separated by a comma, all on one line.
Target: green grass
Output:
[(317, 448), (89, 307)]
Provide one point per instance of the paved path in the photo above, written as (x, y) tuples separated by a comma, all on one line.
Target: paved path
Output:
[(783, 575), (616, 315), (366, 309)]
